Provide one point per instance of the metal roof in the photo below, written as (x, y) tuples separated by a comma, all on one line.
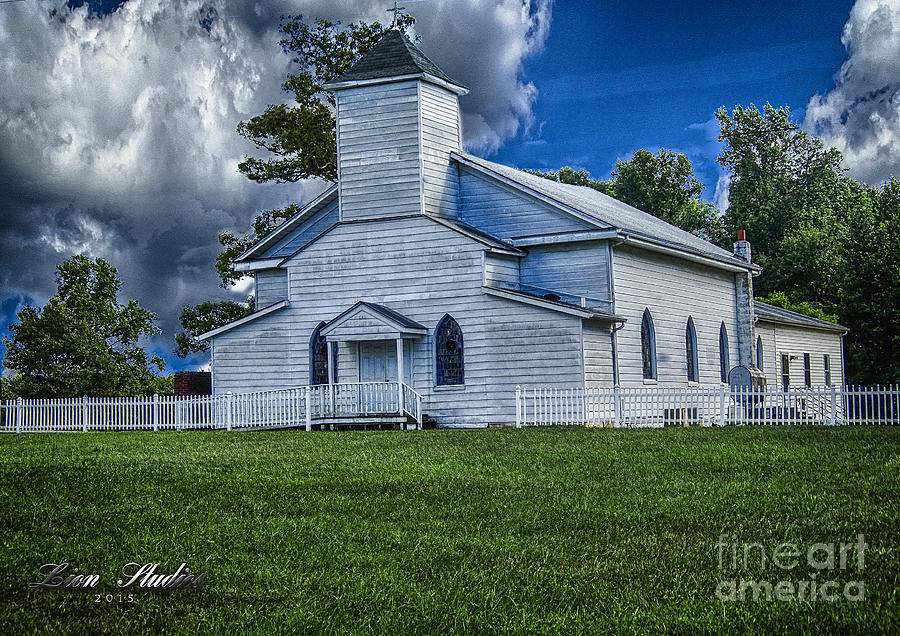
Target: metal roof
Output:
[(606, 210), (393, 55), (767, 312)]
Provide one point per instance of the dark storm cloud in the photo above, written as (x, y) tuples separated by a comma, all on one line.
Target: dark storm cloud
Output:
[(117, 130)]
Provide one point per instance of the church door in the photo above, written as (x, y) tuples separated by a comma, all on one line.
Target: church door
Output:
[(378, 361)]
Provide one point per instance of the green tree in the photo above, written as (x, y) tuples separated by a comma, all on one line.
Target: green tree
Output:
[(206, 317), (871, 286), (572, 177), (787, 191), (302, 137), (83, 341), (664, 184), (233, 246)]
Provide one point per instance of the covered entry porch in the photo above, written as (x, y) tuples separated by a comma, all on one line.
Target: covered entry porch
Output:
[(382, 342)]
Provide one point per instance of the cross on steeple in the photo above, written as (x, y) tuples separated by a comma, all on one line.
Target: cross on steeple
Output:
[(396, 11)]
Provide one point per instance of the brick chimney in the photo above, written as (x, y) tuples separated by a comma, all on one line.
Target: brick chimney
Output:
[(743, 289)]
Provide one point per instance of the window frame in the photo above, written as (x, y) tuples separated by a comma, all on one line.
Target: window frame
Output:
[(807, 370), (724, 357), (691, 357), (649, 368), (449, 323)]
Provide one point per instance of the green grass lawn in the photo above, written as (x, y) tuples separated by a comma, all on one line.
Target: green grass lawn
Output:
[(561, 530)]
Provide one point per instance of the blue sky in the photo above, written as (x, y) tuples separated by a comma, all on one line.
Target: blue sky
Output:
[(617, 76), (117, 127)]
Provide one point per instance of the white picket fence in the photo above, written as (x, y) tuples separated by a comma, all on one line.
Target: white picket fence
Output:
[(294, 407), (717, 405)]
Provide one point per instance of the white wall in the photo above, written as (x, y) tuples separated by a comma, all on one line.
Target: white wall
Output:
[(795, 341), (441, 135), (378, 150), (672, 289), (506, 213), (598, 370), (423, 270), (271, 287)]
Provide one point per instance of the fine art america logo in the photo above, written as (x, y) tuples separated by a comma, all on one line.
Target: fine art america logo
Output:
[(55, 576), (801, 573)]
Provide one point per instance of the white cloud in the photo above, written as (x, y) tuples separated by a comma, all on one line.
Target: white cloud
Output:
[(861, 115), (117, 133)]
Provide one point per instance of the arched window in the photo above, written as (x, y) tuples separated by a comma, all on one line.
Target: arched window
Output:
[(648, 346), (760, 357), (724, 364), (318, 358), (690, 345), (449, 352)]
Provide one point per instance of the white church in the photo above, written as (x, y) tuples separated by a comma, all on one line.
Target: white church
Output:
[(457, 279)]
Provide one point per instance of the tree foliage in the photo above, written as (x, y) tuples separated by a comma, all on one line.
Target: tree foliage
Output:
[(205, 317), (302, 137), (824, 240), (661, 184), (780, 299), (233, 246), (787, 188), (83, 341), (664, 184), (572, 177)]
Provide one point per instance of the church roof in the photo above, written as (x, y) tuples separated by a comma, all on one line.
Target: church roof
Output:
[(608, 211), (770, 313), (392, 56)]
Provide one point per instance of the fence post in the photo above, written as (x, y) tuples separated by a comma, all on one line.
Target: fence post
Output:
[(723, 411), (229, 398), (308, 400), (154, 416), (833, 406), (18, 415), (518, 406), (617, 402), (84, 400)]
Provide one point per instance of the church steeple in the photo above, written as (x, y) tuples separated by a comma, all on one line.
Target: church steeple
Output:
[(393, 57), (397, 123)]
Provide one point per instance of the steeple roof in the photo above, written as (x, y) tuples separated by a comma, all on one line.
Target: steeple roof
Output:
[(392, 56)]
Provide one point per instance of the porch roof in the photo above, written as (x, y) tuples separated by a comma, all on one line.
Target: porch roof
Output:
[(371, 321)]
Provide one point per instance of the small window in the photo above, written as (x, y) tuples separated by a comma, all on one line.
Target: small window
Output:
[(807, 370), (827, 369), (724, 364), (690, 344), (648, 346), (785, 371), (760, 357), (449, 352)]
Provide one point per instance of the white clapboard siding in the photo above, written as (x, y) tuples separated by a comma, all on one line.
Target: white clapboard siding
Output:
[(379, 162), (673, 289), (579, 269), (597, 346), (428, 271), (501, 270), (506, 213), (271, 287), (256, 356), (440, 136), (796, 341), (310, 229)]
